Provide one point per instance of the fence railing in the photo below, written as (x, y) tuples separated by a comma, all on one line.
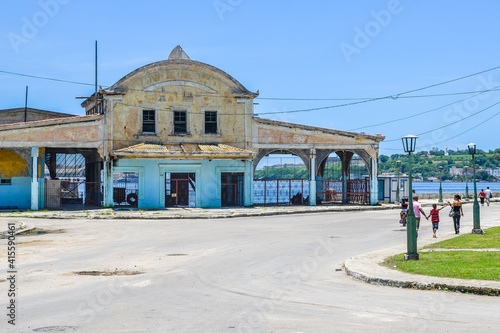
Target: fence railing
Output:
[(280, 192), (59, 193), (347, 192)]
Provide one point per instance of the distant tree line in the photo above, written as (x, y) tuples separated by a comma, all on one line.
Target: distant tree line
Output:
[(427, 163)]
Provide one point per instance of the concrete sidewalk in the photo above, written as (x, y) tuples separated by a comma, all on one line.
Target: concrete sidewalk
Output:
[(198, 213)]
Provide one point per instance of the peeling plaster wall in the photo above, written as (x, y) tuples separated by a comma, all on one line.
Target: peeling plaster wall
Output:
[(276, 134), (12, 165), (43, 136), (170, 89), (18, 193)]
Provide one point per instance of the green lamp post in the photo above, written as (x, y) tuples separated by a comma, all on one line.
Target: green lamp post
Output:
[(398, 163), (409, 144), (440, 183), (466, 168), (477, 227)]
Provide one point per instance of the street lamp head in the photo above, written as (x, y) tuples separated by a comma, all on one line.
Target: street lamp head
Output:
[(472, 148), (409, 143), (398, 163), (441, 168)]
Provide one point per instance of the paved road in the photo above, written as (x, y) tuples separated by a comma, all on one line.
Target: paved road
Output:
[(266, 274)]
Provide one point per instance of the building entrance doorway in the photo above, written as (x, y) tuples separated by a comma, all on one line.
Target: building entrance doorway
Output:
[(180, 189), (232, 189)]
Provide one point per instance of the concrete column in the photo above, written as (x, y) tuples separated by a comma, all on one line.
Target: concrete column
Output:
[(108, 183), (249, 170), (345, 158), (34, 178), (312, 177), (373, 181)]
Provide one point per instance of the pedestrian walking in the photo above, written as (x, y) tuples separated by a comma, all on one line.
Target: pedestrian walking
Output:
[(435, 218), (489, 195), (456, 207), (404, 212), (417, 209), (482, 195)]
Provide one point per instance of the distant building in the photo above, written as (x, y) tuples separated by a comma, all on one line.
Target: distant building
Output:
[(20, 115), (494, 172), (454, 171)]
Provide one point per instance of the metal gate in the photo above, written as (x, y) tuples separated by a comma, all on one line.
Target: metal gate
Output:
[(347, 192), (280, 192), (180, 190), (126, 189), (59, 193), (232, 189)]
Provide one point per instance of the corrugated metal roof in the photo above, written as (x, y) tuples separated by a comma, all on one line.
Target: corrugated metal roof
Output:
[(147, 148), (222, 148), (182, 148)]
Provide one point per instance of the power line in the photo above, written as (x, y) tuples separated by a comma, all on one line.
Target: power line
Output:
[(466, 131), (46, 78), (449, 81), (359, 100), (453, 137), (452, 123), (424, 112)]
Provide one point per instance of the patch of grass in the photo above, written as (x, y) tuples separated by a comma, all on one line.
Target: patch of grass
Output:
[(453, 264), (489, 240)]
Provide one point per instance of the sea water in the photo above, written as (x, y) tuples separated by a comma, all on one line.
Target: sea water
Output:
[(453, 187)]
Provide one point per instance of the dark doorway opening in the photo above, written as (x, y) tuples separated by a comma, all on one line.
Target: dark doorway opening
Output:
[(232, 189), (180, 189)]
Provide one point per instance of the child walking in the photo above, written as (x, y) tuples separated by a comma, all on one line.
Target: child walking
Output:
[(435, 218)]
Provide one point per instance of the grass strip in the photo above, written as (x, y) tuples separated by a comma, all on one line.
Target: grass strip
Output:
[(456, 264), (489, 240)]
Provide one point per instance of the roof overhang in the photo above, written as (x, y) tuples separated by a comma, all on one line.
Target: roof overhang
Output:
[(183, 151)]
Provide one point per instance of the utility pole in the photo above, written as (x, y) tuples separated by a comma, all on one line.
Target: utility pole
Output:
[(26, 106), (95, 90)]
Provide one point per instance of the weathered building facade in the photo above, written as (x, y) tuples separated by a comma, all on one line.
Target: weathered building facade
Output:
[(185, 134)]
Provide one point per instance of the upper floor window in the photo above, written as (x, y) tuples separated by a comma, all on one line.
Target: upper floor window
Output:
[(180, 122), (5, 181), (210, 122), (148, 121)]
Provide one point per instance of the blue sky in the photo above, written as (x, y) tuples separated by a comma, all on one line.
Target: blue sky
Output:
[(340, 52)]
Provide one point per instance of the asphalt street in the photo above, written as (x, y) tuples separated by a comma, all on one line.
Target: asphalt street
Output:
[(255, 274)]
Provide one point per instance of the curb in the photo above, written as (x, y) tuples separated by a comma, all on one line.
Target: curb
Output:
[(414, 281), (148, 216), (167, 214)]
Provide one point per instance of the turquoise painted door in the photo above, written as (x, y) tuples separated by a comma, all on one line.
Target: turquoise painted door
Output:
[(381, 190)]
